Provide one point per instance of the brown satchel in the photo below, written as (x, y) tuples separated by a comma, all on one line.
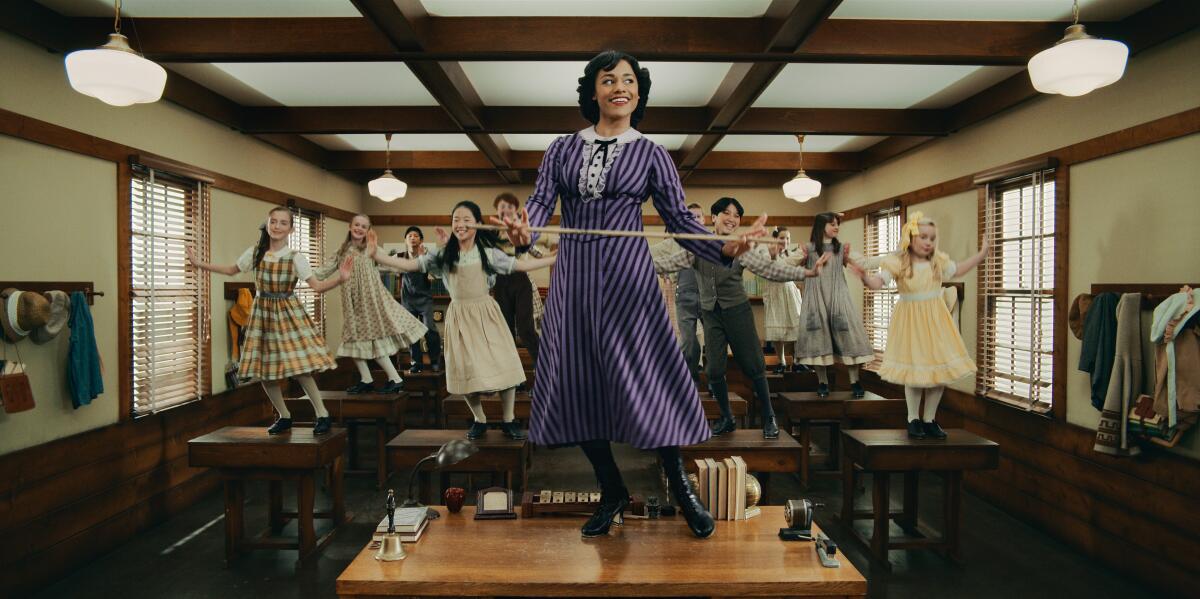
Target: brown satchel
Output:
[(15, 392)]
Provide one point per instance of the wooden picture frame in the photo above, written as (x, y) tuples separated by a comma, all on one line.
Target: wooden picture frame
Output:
[(494, 503)]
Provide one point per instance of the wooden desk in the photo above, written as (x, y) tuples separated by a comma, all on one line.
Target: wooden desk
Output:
[(838, 410), (881, 452), (243, 453), (350, 410), (497, 454), (545, 557), (762, 456), (455, 409)]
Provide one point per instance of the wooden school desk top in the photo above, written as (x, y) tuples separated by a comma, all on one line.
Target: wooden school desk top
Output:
[(461, 556), (252, 447)]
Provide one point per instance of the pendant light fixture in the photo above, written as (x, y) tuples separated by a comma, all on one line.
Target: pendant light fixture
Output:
[(115, 73), (801, 188), (387, 187), (1078, 63)]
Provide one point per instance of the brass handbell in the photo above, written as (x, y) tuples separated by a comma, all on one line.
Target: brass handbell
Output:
[(390, 548)]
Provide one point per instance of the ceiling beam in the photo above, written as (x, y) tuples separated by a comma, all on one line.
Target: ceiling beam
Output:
[(694, 39), (745, 83), (404, 26), (528, 161), (1142, 30), (562, 119)]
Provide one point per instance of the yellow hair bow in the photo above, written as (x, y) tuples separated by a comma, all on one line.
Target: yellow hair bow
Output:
[(910, 229)]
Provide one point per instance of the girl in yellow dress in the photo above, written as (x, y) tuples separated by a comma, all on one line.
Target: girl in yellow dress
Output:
[(924, 348)]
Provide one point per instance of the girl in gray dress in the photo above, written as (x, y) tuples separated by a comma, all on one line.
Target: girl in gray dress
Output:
[(831, 328)]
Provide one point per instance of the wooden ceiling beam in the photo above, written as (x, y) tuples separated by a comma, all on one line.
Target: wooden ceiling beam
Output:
[(447, 39), (405, 27), (529, 161), (562, 119), (745, 83)]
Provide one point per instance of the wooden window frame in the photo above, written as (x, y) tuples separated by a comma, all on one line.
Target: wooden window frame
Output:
[(125, 177), (869, 295), (1061, 236)]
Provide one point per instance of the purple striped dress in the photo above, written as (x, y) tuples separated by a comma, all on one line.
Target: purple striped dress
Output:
[(609, 366)]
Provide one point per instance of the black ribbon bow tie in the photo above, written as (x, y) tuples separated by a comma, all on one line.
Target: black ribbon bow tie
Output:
[(604, 145)]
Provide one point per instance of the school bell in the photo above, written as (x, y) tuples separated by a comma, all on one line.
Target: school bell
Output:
[(390, 548)]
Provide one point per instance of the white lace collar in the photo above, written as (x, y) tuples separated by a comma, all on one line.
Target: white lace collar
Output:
[(589, 135)]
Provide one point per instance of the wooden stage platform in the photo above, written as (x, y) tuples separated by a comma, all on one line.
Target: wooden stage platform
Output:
[(462, 557)]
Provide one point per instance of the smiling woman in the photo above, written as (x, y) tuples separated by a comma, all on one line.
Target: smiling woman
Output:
[(609, 368)]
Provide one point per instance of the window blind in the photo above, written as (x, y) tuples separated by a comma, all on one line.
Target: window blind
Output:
[(882, 237), (308, 236)]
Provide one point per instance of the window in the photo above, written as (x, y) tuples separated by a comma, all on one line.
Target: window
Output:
[(168, 298), (1016, 288), (308, 236), (882, 238)]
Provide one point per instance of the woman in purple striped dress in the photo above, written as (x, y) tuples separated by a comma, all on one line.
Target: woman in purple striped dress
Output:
[(609, 368)]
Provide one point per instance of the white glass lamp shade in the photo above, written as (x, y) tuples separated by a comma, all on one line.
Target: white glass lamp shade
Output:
[(1074, 67), (115, 74), (387, 187), (802, 188)]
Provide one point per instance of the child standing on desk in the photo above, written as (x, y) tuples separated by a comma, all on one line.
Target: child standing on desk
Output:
[(924, 349), (280, 339), (481, 356), (374, 326)]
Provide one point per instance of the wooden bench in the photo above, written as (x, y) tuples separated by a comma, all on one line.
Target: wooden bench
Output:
[(455, 410), (762, 456), (352, 410), (543, 557), (497, 455), (882, 452), (839, 410), (243, 453)]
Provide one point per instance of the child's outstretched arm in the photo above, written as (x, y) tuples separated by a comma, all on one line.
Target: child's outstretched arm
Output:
[(396, 262), (965, 266), (869, 280), (323, 285), (225, 269), (780, 270), (530, 264)]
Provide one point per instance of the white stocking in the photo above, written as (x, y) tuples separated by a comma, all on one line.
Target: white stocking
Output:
[(933, 396), (476, 406), (275, 394), (389, 369), (912, 397), (364, 373), (314, 395), (508, 398), (822, 374)]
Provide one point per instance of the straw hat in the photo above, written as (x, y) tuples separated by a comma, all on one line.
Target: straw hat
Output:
[(1077, 315), (21, 312), (60, 313)]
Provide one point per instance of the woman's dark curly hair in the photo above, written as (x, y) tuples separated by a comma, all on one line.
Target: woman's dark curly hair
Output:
[(607, 61)]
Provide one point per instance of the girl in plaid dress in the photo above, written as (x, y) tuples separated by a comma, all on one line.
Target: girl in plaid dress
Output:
[(280, 339)]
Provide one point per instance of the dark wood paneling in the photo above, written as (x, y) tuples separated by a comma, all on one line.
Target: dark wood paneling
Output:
[(648, 220)]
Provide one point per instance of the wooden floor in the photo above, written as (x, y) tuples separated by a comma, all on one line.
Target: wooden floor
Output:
[(184, 557)]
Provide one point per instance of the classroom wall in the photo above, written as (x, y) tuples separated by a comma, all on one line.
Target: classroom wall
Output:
[(58, 210)]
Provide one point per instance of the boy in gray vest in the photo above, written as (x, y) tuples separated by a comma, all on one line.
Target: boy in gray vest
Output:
[(726, 314), (416, 291), (687, 308)]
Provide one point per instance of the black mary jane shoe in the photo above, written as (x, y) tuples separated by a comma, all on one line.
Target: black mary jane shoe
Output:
[(391, 388), (512, 430), (477, 430), (933, 431), (723, 425), (281, 426), (770, 429), (359, 387), (779, 369), (822, 390), (322, 426), (857, 391), (916, 430), (610, 511), (416, 368)]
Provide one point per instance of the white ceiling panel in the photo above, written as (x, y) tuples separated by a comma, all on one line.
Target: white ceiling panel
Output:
[(988, 10), (555, 83), (404, 142), (317, 83), (787, 143), (595, 8), (530, 142), (670, 142), (877, 85), (206, 8)]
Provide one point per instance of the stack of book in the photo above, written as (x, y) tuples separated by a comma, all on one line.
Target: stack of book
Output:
[(722, 488), (410, 523)]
